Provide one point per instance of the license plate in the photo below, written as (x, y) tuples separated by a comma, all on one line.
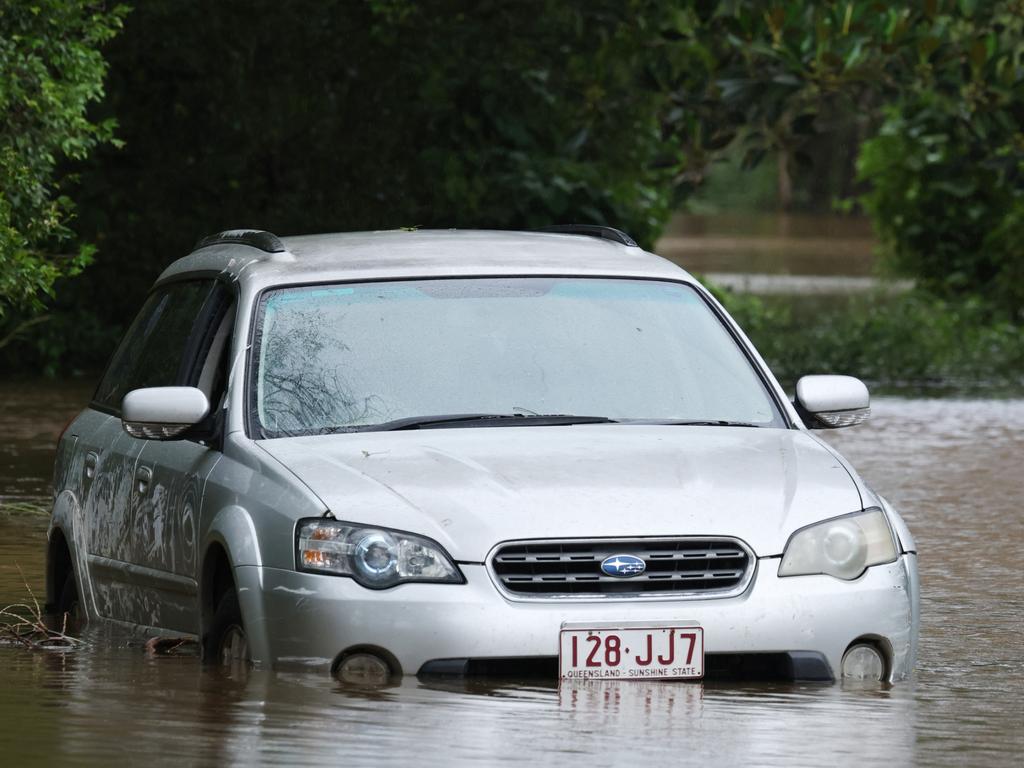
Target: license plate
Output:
[(630, 652)]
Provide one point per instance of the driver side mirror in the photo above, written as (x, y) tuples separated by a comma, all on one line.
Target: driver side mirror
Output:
[(162, 413), (830, 402)]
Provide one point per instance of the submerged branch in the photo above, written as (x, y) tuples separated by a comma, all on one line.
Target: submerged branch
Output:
[(24, 624)]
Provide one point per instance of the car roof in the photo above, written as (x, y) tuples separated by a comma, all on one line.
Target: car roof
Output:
[(403, 254)]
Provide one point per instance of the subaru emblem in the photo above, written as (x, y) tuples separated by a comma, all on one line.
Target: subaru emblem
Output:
[(624, 566)]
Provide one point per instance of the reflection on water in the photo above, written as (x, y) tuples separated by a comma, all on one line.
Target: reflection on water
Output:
[(183, 715), (952, 466)]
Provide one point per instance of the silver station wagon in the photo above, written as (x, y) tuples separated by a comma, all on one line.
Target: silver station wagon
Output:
[(472, 452)]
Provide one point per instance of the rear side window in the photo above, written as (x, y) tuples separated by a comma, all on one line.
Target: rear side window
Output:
[(161, 345)]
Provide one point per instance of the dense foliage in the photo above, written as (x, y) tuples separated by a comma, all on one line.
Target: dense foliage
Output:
[(902, 341), (935, 91), (329, 115), (50, 70), (319, 115), (946, 171)]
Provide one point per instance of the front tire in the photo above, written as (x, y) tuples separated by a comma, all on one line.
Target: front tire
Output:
[(226, 644)]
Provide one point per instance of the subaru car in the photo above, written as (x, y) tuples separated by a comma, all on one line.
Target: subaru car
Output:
[(472, 452)]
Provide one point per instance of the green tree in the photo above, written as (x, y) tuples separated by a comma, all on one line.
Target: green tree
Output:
[(328, 115), (936, 90), (319, 115), (50, 70), (790, 73), (947, 167)]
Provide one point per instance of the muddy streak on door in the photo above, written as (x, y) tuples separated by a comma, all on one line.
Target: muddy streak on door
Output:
[(164, 521), (109, 458)]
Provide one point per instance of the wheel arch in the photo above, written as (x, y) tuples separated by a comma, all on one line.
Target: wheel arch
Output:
[(62, 550), (59, 564), (217, 576), (231, 558)]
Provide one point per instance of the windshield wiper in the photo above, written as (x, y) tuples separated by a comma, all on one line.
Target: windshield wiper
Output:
[(481, 420), (709, 423)]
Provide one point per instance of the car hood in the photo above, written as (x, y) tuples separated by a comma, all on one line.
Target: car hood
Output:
[(470, 489)]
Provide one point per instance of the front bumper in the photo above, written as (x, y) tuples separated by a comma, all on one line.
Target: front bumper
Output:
[(310, 620)]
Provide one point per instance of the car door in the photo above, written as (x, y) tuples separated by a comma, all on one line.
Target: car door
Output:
[(154, 352), (107, 463), (170, 480)]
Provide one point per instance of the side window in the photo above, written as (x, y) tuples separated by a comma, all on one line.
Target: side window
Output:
[(162, 343)]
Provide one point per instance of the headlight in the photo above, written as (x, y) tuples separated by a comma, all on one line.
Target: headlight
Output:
[(842, 547), (375, 557)]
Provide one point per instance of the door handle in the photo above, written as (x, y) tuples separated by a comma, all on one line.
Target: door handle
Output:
[(91, 459), (143, 477)]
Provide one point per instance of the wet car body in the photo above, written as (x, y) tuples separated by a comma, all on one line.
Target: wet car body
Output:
[(154, 529)]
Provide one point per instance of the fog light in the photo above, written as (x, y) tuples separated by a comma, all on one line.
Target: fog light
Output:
[(863, 662), (364, 669)]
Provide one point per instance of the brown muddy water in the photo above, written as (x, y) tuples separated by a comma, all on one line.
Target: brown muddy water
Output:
[(953, 466), (771, 244), (773, 254)]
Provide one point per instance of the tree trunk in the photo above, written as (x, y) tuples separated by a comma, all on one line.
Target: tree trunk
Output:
[(785, 181)]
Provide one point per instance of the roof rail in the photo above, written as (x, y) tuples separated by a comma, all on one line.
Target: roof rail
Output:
[(593, 230), (257, 238)]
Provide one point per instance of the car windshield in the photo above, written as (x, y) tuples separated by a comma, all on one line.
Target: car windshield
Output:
[(445, 352)]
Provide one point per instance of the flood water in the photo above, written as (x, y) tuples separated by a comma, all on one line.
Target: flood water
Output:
[(791, 244), (953, 467), (796, 255)]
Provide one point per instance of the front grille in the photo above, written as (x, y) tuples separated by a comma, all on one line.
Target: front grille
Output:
[(703, 567)]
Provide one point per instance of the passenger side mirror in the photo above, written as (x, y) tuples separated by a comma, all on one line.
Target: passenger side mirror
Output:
[(162, 413), (829, 402)]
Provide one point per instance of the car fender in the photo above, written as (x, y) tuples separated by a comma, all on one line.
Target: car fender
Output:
[(233, 529), (900, 527)]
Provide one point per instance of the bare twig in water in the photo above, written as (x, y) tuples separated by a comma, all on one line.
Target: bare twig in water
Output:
[(24, 624)]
